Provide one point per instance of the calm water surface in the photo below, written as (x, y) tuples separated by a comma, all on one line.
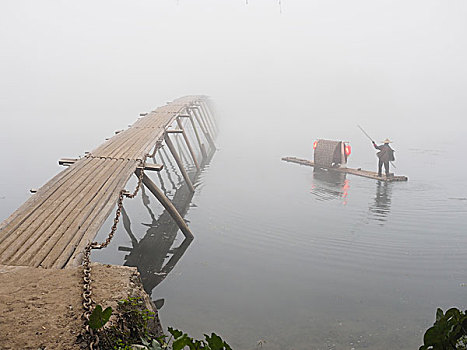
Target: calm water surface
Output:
[(300, 259), (291, 257)]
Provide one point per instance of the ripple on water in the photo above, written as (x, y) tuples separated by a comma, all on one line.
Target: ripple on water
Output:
[(404, 231)]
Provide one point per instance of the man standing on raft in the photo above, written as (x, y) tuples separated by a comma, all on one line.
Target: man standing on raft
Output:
[(385, 155)]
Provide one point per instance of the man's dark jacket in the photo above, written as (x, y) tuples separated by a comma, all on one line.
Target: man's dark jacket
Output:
[(386, 153)]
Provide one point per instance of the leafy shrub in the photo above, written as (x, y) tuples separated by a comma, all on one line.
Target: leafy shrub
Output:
[(131, 331), (182, 340), (449, 331)]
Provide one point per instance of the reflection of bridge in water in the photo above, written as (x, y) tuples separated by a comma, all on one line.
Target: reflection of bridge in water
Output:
[(150, 254)]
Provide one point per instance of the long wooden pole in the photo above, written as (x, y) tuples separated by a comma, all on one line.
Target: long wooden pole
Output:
[(208, 110), (201, 146), (167, 205), (185, 137), (169, 143), (209, 118), (197, 110), (203, 116), (203, 128)]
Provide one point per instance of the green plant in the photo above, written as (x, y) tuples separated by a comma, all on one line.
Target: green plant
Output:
[(130, 326), (448, 332), (154, 344), (99, 318), (183, 340), (131, 331)]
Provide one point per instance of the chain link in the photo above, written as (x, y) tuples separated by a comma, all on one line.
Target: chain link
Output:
[(156, 148), (87, 288)]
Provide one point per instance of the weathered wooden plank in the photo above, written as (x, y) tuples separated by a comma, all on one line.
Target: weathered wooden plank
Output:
[(147, 122), (35, 201), (29, 220), (157, 134), (73, 252), (122, 151), (148, 167), (32, 228), (67, 243), (31, 202), (158, 124), (42, 241), (152, 167), (115, 143), (137, 150), (67, 161), (118, 149), (144, 144)]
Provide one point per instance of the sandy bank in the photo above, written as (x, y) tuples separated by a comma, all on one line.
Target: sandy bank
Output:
[(41, 308)]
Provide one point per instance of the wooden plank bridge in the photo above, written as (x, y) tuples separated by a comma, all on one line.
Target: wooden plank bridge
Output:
[(52, 228)]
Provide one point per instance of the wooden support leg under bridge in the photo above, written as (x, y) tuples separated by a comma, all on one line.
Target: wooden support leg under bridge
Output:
[(151, 186), (195, 112), (195, 130), (179, 162)]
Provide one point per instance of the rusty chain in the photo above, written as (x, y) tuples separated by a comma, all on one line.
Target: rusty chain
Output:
[(87, 289)]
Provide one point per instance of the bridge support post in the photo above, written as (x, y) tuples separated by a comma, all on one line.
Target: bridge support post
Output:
[(203, 127), (203, 117), (169, 143), (205, 120), (208, 110), (151, 186), (185, 137), (209, 118), (201, 146), (206, 104), (181, 151)]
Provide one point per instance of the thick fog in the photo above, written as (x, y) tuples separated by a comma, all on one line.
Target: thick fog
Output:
[(74, 72)]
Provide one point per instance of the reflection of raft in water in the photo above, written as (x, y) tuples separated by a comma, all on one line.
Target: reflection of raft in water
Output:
[(329, 185), (359, 172)]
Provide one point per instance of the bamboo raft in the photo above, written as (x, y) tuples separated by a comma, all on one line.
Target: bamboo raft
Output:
[(52, 228), (358, 172)]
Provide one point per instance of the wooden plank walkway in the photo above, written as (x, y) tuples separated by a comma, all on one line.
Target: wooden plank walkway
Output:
[(358, 172), (52, 227)]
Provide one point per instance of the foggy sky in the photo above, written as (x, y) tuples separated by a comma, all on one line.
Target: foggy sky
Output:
[(73, 72)]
